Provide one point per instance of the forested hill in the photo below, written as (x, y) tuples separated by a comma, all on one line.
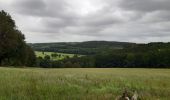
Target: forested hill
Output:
[(86, 48), (113, 54)]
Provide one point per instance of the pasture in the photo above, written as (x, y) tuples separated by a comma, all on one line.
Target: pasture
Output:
[(59, 56), (82, 84)]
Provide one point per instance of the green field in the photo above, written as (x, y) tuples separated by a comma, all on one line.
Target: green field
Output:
[(82, 84), (63, 55)]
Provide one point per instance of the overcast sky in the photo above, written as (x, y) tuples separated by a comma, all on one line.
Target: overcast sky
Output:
[(85, 20)]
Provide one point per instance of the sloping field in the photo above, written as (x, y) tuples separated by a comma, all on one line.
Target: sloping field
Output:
[(62, 55), (82, 84)]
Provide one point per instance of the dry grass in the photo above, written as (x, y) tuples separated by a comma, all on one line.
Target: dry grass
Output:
[(82, 84)]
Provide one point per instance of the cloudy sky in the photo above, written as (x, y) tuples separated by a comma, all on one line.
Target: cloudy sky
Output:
[(85, 20)]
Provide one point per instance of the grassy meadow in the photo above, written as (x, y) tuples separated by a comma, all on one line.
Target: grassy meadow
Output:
[(82, 84), (62, 55)]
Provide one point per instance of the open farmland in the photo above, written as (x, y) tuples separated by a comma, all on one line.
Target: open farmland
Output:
[(82, 84), (59, 56)]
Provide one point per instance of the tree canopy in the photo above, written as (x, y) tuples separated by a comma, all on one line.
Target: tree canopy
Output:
[(13, 48)]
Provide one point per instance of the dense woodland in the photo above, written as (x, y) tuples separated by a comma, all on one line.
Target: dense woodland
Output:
[(99, 54)]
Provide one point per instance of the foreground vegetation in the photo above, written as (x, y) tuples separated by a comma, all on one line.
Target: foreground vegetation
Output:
[(82, 84)]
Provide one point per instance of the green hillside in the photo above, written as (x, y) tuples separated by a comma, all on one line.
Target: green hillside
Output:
[(55, 55), (85, 48)]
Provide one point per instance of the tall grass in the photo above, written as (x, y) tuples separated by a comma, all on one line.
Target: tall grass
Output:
[(82, 84)]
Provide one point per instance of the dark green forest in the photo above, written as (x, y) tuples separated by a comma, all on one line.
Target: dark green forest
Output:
[(14, 51)]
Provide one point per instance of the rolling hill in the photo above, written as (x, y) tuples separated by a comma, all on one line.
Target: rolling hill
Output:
[(85, 48)]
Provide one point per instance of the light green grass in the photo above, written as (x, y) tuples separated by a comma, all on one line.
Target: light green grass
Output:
[(63, 55), (82, 84)]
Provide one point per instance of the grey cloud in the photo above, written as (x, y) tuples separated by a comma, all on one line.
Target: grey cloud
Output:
[(56, 23), (43, 8), (93, 23), (145, 5), (102, 19), (32, 7), (157, 16), (116, 20), (58, 18)]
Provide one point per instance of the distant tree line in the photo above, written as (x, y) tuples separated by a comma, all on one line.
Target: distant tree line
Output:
[(13, 49), (83, 48)]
